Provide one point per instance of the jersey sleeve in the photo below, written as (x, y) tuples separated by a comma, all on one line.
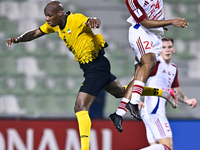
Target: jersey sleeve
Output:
[(46, 28), (82, 19), (136, 10), (176, 82), (86, 19)]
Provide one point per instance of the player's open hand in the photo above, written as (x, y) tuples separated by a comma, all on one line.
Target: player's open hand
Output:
[(93, 23), (11, 41), (180, 22)]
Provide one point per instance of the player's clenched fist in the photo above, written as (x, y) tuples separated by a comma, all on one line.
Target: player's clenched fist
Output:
[(93, 23)]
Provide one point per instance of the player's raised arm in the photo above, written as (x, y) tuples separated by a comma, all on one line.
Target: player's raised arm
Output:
[(27, 36)]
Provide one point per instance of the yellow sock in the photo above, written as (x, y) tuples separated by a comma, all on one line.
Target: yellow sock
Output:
[(125, 86), (149, 91), (84, 123)]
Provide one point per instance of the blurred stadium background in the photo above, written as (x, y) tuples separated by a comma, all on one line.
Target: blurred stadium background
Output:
[(41, 78)]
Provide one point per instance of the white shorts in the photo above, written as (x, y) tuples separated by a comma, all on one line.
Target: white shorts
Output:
[(143, 41), (157, 127)]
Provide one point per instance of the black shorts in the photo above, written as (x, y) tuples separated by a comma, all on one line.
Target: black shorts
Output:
[(97, 75)]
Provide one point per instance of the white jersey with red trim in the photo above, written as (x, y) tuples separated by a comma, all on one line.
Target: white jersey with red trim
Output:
[(163, 76), (141, 9)]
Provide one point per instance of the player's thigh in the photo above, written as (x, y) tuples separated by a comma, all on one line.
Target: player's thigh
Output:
[(97, 77), (149, 134), (94, 82), (144, 42), (159, 126), (115, 88)]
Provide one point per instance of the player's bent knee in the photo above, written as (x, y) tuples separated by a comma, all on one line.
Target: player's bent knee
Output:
[(78, 108)]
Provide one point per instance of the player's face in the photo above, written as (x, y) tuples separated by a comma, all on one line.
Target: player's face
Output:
[(167, 50), (52, 18)]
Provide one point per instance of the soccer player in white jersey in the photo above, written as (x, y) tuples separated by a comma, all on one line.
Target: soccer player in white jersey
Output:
[(163, 76), (147, 23)]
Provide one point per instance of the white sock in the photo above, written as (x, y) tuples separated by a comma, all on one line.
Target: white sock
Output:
[(137, 91), (121, 110)]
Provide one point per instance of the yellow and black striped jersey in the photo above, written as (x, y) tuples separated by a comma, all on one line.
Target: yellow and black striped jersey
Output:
[(78, 37)]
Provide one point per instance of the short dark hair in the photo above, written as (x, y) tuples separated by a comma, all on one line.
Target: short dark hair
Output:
[(168, 39), (54, 6)]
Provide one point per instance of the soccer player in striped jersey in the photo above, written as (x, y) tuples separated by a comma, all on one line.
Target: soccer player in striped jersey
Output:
[(147, 25), (163, 76), (88, 49)]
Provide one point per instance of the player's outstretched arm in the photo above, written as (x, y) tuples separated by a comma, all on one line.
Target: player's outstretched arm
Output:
[(177, 22), (183, 98), (27, 36), (93, 23)]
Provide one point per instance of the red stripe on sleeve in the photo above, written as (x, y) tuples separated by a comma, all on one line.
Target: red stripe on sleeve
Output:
[(132, 6)]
